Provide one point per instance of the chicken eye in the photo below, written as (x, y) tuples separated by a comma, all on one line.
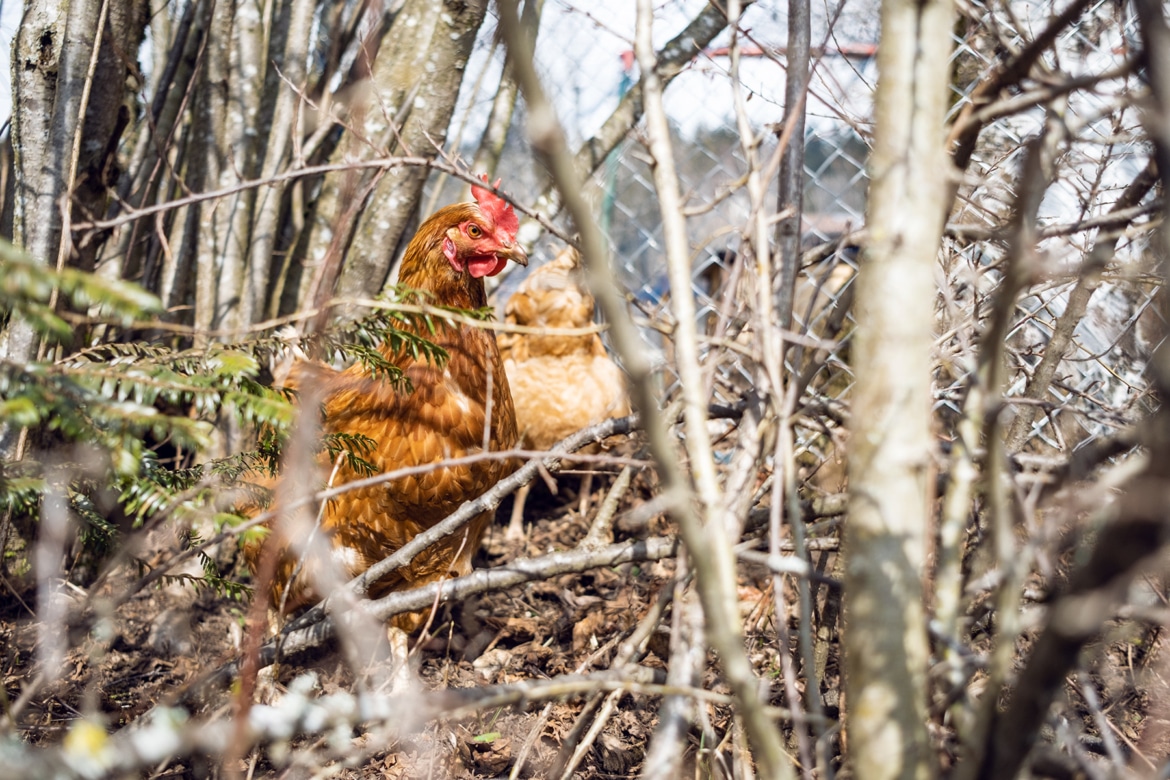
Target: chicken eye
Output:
[(474, 231)]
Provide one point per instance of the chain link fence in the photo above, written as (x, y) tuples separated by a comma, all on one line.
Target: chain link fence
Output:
[(585, 57), (1093, 127)]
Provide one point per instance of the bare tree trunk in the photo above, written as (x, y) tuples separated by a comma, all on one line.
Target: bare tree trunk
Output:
[(392, 206), (207, 160), (174, 54), (487, 157), (415, 86), (889, 465), (68, 115), (276, 155), (789, 230), (51, 64), (243, 128), (39, 178)]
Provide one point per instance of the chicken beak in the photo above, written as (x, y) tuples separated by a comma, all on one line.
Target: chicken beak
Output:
[(514, 252)]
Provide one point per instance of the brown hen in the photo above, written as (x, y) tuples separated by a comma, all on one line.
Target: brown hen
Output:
[(560, 383), (443, 416)]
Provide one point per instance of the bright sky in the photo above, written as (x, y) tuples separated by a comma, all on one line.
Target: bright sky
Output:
[(580, 49), (580, 52)]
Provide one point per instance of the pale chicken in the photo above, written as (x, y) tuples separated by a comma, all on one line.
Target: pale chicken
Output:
[(560, 383)]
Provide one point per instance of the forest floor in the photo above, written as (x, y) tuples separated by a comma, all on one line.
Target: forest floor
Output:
[(169, 636), (164, 639)]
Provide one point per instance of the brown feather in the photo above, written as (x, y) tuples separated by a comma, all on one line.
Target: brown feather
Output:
[(444, 417), (560, 383)]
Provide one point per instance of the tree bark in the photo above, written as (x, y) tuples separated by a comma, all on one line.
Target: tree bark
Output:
[(242, 131), (414, 85), (276, 155), (52, 59), (207, 159), (885, 640), (487, 156), (37, 164), (789, 230), (51, 66)]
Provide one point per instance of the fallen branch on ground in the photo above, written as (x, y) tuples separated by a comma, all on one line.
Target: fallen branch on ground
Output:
[(298, 637)]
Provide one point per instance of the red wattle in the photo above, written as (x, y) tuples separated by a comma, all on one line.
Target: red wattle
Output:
[(491, 265)]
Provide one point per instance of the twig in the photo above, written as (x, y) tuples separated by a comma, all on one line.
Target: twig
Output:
[(601, 532), (1137, 535), (596, 713), (715, 569), (788, 564), (1036, 172), (489, 500), (55, 536), (309, 313), (503, 488), (629, 648), (1113, 220), (1101, 720), (377, 164), (965, 133), (977, 118), (678, 267), (1078, 302), (784, 496), (791, 189), (301, 635), (628, 654), (672, 58), (956, 510), (167, 733)]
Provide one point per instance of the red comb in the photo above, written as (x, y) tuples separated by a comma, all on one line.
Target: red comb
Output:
[(496, 207)]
